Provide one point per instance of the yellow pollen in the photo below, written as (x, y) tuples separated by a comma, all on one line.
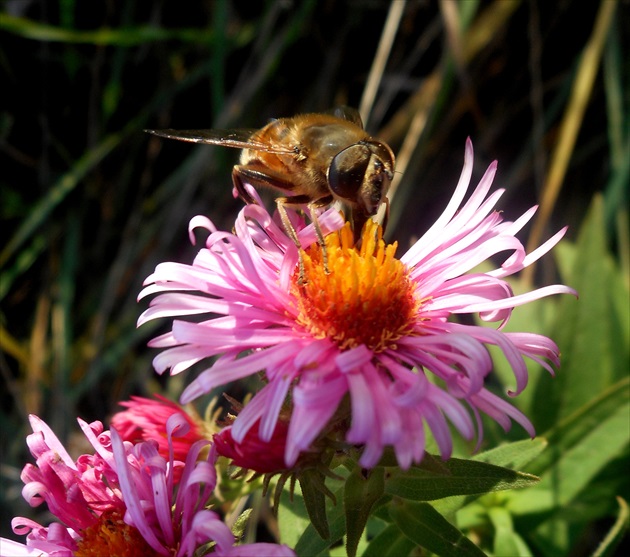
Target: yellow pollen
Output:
[(366, 298), (112, 536)]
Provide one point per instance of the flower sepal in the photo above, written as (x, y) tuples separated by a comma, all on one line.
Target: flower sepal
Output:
[(363, 489), (314, 492)]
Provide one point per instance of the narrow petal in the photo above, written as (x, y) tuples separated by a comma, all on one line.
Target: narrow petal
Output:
[(134, 510), (227, 371)]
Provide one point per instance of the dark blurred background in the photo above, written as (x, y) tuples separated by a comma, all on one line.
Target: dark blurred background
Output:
[(90, 204)]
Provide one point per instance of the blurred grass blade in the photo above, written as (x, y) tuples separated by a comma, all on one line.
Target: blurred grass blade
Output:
[(131, 36), (23, 262), (482, 30), (62, 309), (614, 88), (66, 184), (59, 191), (573, 116), (11, 346), (219, 55), (616, 534), (396, 10), (427, 103)]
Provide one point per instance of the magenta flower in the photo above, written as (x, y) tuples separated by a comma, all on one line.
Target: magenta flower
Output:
[(374, 328), (145, 419), (122, 500), (264, 457)]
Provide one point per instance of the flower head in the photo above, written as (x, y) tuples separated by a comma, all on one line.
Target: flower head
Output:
[(122, 500), (145, 419), (252, 452), (368, 328)]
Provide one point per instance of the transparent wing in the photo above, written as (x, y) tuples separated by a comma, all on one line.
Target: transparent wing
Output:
[(238, 138), (347, 113)]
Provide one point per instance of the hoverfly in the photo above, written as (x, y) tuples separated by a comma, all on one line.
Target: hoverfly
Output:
[(314, 158)]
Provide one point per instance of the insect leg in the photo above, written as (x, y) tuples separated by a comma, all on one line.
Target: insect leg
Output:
[(288, 227), (359, 218), (258, 178), (320, 237), (237, 180), (312, 205), (386, 215), (257, 175)]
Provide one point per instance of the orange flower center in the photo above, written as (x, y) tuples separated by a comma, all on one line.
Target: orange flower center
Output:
[(112, 536), (365, 298)]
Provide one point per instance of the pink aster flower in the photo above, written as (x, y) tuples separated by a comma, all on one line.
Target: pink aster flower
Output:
[(370, 328), (145, 419), (265, 457), (122, 499)]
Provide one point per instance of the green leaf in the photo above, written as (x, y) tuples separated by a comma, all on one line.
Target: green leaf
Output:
[(427, 528), (506, 540), (238, 529), (578, 466), (312, 482), (391, 542), (461, 477), (292, 516), (592, 332), (297, 529), (575, 428), (570, 470), (513, 455), (360, 494), (311, 542)]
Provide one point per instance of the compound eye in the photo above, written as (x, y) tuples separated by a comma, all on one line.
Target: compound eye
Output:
[(347, 171)]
